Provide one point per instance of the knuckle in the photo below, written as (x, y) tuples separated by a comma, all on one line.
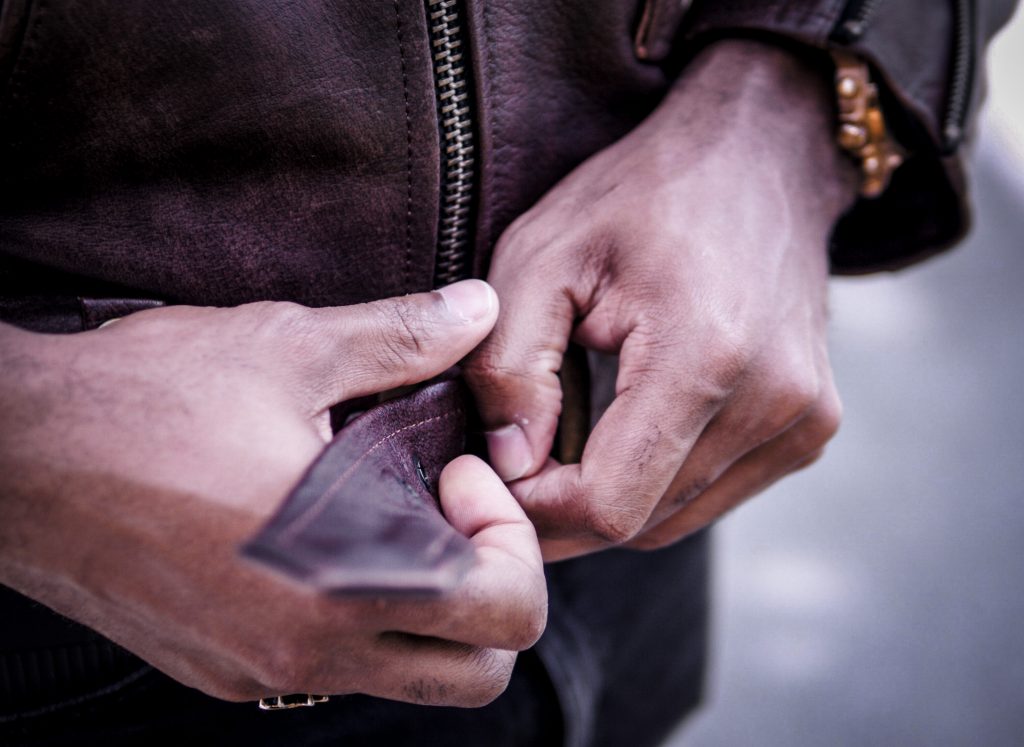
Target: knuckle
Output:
[(727, 355), (498, 380), (283, 319), (800, 392), (517, 618), (486, 694), (792, 391), (499, 363), (403, 334), (531, 623), (818, 428), (491, 674), (536, 625), (613, 524), (288, 327), (796, 395), (484, 367), (478, 679)]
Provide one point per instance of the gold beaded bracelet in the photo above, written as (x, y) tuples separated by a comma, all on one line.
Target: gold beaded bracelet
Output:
[(862, 131)]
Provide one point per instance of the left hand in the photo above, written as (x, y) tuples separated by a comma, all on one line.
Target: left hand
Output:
[(696, 248)]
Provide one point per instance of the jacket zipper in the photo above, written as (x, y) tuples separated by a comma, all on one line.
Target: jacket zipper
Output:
[(853, 22), (960, 75), (455, 118)]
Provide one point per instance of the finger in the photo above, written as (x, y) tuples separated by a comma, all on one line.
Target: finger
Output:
[(553, 549), (432, 672), (514, 374), (396, 666), (798, 447), (753, 417), (663, 402), (345, 352), (476, 502), (502, 603)]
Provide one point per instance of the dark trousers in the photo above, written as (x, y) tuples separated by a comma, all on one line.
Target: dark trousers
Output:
[(620, 665)]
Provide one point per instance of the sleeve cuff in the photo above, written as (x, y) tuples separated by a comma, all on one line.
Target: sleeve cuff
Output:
[(911, 49)]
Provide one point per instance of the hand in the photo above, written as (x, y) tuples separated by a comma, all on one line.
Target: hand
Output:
[(134, 460), (695, 247)]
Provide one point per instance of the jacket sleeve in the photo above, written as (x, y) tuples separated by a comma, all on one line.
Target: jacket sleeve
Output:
[(927, 57)]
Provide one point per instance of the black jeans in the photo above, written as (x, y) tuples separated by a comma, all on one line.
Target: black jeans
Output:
[(155, 710), (620, 664)]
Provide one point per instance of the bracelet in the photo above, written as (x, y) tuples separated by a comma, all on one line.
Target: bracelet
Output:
[(862, 132)]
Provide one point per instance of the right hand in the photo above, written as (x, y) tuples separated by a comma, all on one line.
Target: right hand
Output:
[(134, 460)]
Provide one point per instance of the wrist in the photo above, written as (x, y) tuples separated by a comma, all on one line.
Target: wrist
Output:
[(774, 108)]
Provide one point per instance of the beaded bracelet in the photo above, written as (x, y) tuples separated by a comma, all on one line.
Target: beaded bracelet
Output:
[(862, 132)]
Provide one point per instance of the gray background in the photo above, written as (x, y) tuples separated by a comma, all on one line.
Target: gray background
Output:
[(876, 599)]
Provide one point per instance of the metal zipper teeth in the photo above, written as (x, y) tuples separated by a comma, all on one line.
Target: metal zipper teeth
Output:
[(454, 113), (961, 73), (854, 20)]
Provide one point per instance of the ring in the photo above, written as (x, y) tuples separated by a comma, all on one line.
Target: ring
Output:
[(284, 702)]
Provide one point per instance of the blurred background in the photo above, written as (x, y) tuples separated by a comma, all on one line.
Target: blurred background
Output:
[(878, 599)]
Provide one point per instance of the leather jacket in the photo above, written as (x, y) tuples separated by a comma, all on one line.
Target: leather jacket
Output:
[(217, 153)]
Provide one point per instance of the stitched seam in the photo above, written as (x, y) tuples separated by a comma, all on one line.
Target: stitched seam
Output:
[(406, 270), (496, 164), (318, 506)]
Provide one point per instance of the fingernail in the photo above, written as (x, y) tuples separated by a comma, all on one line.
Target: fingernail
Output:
[(469, 300), (510, 452)]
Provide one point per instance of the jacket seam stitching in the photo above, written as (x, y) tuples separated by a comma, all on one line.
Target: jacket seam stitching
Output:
[(317, 507), (407, 266), (495, 165)]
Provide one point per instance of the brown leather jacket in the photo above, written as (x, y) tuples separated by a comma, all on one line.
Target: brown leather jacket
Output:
[(221, 152), (230, 151)]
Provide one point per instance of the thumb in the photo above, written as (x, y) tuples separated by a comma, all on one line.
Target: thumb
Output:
[(352, 351), (514, 377)]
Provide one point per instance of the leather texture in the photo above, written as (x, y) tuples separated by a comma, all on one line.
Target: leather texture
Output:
[(224, 152), (365, 517), (218, 153)]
